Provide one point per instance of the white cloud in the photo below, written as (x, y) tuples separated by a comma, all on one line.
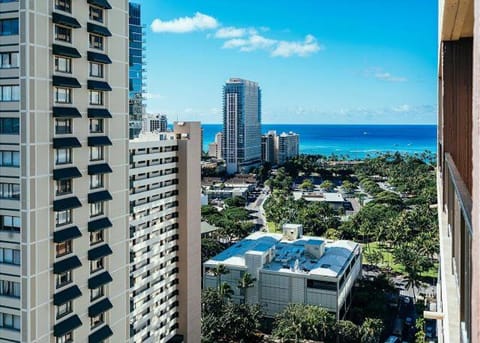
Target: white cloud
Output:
[(234, 43), (302, 49), (384, 76), (245, 39), (254, 42), (234, 32), (198, 22), (257, 42), (276, 48), (401, 108)]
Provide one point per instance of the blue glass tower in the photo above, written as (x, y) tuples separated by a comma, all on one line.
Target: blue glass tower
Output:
[(136, 70), (242, 138)]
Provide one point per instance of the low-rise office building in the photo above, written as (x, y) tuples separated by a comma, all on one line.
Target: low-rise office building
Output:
[(225, 191), (290, 268), (333, 199)]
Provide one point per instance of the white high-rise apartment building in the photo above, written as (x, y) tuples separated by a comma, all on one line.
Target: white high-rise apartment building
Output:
[(215, 148), (165, 247), (241, 125), (286, 146), (152, 122), (279, 149), (63, 171)]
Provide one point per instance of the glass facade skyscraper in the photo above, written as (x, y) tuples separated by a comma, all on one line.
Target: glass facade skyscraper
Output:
[(241, 125), (136, 63)]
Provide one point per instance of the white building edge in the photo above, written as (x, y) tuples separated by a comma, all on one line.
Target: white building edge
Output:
[(290, 268)]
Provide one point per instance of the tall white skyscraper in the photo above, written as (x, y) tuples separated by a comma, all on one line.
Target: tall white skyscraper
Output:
[(241, 125), (63, 173)]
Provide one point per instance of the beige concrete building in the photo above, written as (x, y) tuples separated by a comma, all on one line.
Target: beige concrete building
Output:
[(215, 148), (458, 298), (165, 247), (63, 172)]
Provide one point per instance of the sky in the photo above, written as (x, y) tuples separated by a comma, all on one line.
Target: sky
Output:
[(316, 61)]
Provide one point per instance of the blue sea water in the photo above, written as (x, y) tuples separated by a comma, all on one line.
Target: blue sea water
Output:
[(356, 141)]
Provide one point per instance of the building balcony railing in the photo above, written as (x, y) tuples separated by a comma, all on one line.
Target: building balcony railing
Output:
[(457, 203)]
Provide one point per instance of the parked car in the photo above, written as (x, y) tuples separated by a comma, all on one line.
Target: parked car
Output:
[(393, 339), (409, 321), (398, 327), (429, 331)]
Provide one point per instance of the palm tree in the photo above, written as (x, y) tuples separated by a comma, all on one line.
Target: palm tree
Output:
[(218, 271), (225, 290), (413, 281), (247, 281)]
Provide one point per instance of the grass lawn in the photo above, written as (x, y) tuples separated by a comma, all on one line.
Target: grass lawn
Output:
[(271, 227), (398, 268)]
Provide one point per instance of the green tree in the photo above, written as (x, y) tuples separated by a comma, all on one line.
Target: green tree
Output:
[(420, 333), (208, 210), (371, 330), (307, 185), (225, 290), (348, 187), (327, 185), (373, 256), (241, 321), (235, 201), (224, 321), (299, 321), (210, 248), (212, 301), (347, 332), (218, 271), (246, 282), (332, 233)]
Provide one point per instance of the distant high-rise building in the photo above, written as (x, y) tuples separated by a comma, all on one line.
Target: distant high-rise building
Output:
[(215, 148), (219, 143), (64, 191), (136, 69), (241, 125), (155, 123), (268, 147), (163, 123), (458, 297), (286, 146), (279, 149), (201, 141), (165, 235)]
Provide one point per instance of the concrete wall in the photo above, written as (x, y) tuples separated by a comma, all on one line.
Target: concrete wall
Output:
[(189, 229)]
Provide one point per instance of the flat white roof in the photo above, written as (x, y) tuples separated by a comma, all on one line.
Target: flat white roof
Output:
[(290, 256), (333, 197)]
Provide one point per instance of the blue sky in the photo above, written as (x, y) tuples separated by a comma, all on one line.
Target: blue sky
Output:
[(317, 61)]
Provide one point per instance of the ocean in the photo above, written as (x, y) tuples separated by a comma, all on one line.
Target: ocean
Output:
[(356, 141)]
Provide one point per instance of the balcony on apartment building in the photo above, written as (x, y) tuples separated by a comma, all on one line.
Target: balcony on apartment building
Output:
[(455, 165)]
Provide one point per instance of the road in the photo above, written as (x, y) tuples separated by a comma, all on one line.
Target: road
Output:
[(257, 206)]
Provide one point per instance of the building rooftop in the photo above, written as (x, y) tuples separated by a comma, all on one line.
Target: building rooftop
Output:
[(153, 136), (331, 197), (290, 256)]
